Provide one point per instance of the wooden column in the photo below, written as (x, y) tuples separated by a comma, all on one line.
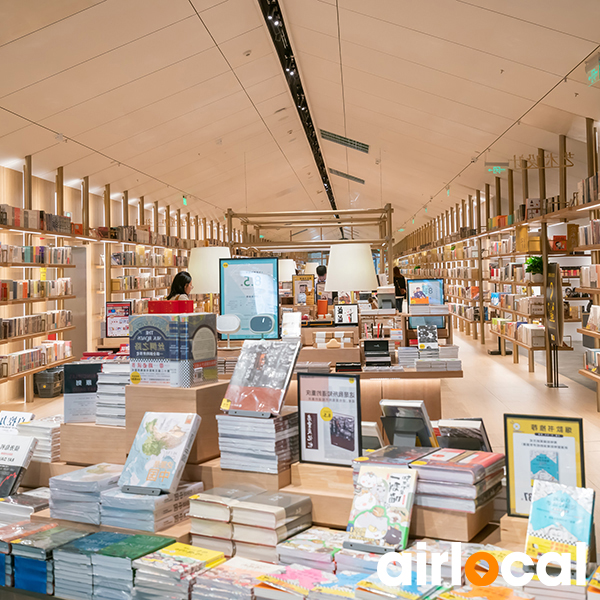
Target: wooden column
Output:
[(141, 212), (28, 273), (590, 145), (178, 223), (480, 264), (544, 243), (60, 191), (189, 227), (197, 224), (562, 171), (463, 213), (525, 181), (126, 208), (451, 220), (27, 184), (498, 196), (156, 217), (107, 218), (478, 211), (204, 232), (488, 205), (542, 173), (511, 193), (85, 205), (168, 219)]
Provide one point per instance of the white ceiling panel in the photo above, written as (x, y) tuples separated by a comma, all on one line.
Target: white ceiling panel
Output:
[(231, 19)]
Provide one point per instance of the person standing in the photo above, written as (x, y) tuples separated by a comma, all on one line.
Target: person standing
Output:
[(400, 288), (181, 288)]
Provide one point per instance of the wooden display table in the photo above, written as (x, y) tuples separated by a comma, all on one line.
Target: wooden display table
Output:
[(513, 531), (90, 444), (38, 474), (180, 532), (332, 355), (205, 401)]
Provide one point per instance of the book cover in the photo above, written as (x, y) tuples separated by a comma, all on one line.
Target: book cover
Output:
[(23, 503), (382, 506), (465, 428), (9, 419), (81, 378), (316, 543), (279, 506), (490, 592), (89, 479), (343, 585), (135, 546), (92, 543), (400, 456), (115, 498), (41, 544), (427, 337), (160, 451), (374, 585), (17, 531), (593, 586), (297, 579), (16, 452), (179, 560), (261, 376), (236, 574), (412, 409), (560, 517)]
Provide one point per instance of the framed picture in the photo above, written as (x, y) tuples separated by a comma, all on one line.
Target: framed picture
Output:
[(345, 314), (117, 319), (304, 289), (329, 416), (544, 448), (250, 289)]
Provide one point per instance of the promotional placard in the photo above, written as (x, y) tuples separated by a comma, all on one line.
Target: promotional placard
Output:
[(304, 289), (554, 304), (329, 416), (250, 289), (345, 314), (543, 448), (117, 319)]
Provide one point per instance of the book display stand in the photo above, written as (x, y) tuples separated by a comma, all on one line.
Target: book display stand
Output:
[(404, 431)]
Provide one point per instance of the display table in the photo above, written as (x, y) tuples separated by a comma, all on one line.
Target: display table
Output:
[(90, 444)]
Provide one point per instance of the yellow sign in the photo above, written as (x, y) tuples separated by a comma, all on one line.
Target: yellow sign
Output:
[(522, 236), (225, 265), (226, 404), (136, 378), (326, 414)]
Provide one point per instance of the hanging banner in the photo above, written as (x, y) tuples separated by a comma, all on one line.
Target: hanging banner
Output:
[(554, 304)]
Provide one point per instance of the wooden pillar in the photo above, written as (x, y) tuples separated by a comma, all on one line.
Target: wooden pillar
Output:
[(126, 208), (189, 227), (451, 220), (590, 145), (498, 196), (197, 224), (107, 219), (463, 213), (60, 191), (156, 217), (27, 185), (525, 181), (487, 205), (511, 193), (562, 171), (544, 243), (168, 219), (141, 212), (85, 205), (478, 210), (542, 174), (204, 232), (178, 223)]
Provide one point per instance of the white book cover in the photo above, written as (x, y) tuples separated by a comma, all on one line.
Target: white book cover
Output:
[(16, 450), (160, 451), (9, 419)]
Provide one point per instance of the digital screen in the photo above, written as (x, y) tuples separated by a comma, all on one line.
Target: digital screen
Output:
[(426, 291)]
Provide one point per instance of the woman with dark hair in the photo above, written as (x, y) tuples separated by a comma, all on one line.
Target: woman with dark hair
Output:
[(400, 285), (181, 288)]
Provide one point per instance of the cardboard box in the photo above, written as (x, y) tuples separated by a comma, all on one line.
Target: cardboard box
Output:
[(205, 401)]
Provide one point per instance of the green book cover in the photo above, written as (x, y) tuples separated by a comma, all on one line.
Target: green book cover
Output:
[(136, 546)]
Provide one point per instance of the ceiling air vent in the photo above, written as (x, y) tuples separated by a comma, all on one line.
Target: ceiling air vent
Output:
[(344, 141), (346, 176)]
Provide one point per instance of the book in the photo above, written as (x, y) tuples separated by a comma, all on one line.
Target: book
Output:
[(296, 579), (381, 508), (427, 337), (89, 479), (270, 509), (20, 507), (372, 587), (130, 549), (270, 537), (41, 544), (400, 456), (261, 376), (9, 419), (16, 531), (459, 490), (159, 452), (80, 551), (215, 504), (343, 585), (357, 561), (227, 547), (490, 592), (453, 465), (412, 409), (115, 498), (560, 517), (470, 429), (317, 546), (16, 452), (466, 505)]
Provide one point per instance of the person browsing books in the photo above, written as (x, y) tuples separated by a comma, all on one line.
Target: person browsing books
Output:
[(181, 288), (400, 288)]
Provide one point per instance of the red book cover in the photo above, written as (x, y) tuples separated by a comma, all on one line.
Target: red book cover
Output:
[(454, 465)]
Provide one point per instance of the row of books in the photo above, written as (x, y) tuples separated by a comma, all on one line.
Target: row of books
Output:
[(34, 219), (145, 258), (504, 246), (461, 291), (20, 289), (467, 311), (48, 352), (511, 271), (590, 275), (140, 282), (226, 364), (39, 323), (532, 334), (143, 235), (41, 255), (427, 309)]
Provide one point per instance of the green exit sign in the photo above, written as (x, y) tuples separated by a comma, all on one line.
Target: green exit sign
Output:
[(184, 201)]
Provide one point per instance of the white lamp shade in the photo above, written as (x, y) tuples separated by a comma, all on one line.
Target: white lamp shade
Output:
[(351, 269), (203, 266), (287, 269), (310, 268)]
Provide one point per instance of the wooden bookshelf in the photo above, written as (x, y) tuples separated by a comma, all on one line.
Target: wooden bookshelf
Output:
[(594, 334), (154, 289), (23, 374), (36, 265), (30, 336), (32, 300)]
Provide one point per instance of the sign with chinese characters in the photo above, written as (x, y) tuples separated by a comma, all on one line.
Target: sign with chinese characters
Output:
[(249, 288), (543, 448), (80, 389), (9, 420), (551, 161), (554, 304), (329, 418), (117, 319), (303, 289)]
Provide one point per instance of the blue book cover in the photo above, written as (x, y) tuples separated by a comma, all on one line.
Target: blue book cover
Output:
[(92, 543), (30, 566)]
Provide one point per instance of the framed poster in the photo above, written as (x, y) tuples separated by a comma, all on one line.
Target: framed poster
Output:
[(345, 314), (250, 289), (304, 289), (545, 448), (117, 319), (329, 416)]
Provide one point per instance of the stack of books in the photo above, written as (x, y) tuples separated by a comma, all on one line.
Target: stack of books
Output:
[(313, 367), (234, 579), (19, 507), (407, 356), (73, 576), (172, 571), (316, 548), (210, 513), (110, 399), (259, 445), (47, 433), (448, 351), (112, 566), (147, 513), (33, 566), (75, 496), (15, 457), (459, 480), (357, 561)]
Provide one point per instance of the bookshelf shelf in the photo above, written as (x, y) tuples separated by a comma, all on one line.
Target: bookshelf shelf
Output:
[(594, 334), (30, 336), (127, 292), (36, 265), (37, 370), (32, 300)]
